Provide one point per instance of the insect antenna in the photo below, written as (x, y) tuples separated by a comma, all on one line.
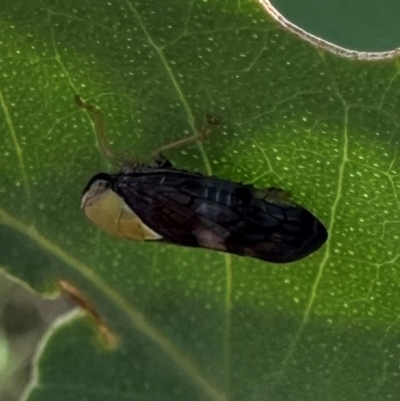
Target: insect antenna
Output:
[(117, 159), (98, 122), (200, 135)]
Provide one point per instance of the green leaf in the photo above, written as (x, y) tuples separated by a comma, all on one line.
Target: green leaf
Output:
[(194, 324)]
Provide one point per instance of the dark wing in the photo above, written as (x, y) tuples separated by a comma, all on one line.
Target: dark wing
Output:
[(195, 210)]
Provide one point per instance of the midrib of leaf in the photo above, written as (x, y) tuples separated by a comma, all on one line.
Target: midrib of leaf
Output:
[(135, 317)]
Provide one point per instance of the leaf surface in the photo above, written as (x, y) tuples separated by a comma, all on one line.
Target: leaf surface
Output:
[(194, 324)]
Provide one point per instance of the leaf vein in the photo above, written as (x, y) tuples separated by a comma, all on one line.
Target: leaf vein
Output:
[(175, 84), (307, 313), (16, 143), (137, 319)]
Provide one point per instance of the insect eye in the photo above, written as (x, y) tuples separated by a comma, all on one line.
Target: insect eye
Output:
[(102, 184)]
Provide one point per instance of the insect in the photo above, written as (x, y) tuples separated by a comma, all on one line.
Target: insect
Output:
[(159, 202)]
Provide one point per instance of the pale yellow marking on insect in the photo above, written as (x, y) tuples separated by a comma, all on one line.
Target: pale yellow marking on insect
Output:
[(208, 239), (110, 213)]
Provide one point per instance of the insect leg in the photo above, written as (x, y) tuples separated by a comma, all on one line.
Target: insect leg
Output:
[(274, 195), (200, 135), (97, 118), (162, 161)]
